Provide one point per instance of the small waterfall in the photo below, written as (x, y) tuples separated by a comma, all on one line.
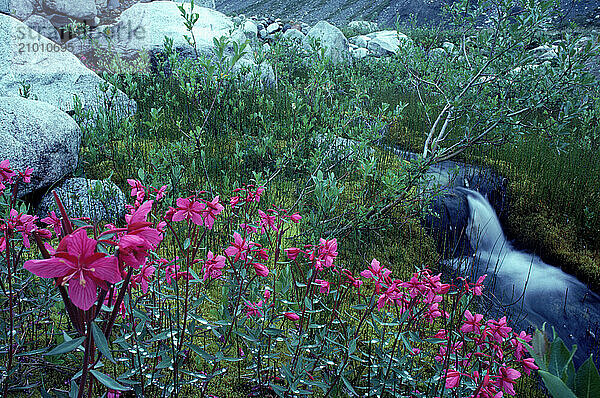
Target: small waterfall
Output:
[(485, 232), (522, 283)]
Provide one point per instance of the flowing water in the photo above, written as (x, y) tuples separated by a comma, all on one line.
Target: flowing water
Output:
[(532, 291)]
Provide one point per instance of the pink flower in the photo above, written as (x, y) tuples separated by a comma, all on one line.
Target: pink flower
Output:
[(292, 316), (6, 174), (472, 323), (452, 378), (507, 379), (137, 189), (53, 221), (499, 329), (296, 218), (213, 266), (267, 294), (189, 210), (211, 211), (248, 228), (160, 193), (478, 287), (520, 349), (133, 250), (261, 270), (529, 365), (267, 221), (323, 286), (327, 253), (254, 309), (292, 252), (77, 262), (144, 277), (27, 175), (238, 249), (113, 394), (377, 273), (415, 286)]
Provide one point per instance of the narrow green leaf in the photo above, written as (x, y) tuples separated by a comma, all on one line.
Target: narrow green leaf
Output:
[(108, 381), (349, 386), (67, 346), (101, 342)]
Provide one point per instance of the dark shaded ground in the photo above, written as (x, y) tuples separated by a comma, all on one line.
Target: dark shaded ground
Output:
[(384, 12)]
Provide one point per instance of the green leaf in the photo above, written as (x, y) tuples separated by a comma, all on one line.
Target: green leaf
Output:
[(555, 386), (587, 380), (101, 342), (108, 381), (67, 346), (560, 357), (349, 386)]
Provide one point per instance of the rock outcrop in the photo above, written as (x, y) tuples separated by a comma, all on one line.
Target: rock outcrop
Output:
[(329, 38), (93, 199), (53, 74), (40, 136)]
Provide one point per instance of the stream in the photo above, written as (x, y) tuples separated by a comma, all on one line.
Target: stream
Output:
[(531, 291)]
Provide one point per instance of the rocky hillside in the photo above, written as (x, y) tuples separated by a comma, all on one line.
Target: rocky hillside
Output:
[(384, 12)]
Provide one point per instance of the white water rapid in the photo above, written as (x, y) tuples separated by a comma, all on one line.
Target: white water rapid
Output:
[(536, 292)]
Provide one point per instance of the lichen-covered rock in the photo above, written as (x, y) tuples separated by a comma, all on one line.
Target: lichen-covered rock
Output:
[(44, 27), (20, 9), (93, 199), (331, 39), (294, 35), (54, 75), (40, 136), (386, 42), (81, 10)]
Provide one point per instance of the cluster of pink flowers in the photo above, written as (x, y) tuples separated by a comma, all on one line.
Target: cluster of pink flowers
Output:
[(251, 253), (17, 222), (481, 349), (246, 194), (7, 175), (195, 210), (141, 192), (321, 255), (78, 262)]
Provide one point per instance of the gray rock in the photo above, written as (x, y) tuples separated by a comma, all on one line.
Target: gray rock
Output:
[(20, 9), (81, 10), (40, 136), (449, 47), (144, 26), (262, 33), (360, 53), (54, 76), (101, 4), (43, 27), (93, 199), (360, 41), (113, 4), (294, 35), (386, 42), (363, 27), (250, 29), (438, 53), (331, 39), (199, 3), (272, 28)]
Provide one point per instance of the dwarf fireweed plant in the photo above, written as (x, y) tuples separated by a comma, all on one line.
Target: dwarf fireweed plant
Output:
[(281, 320)]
